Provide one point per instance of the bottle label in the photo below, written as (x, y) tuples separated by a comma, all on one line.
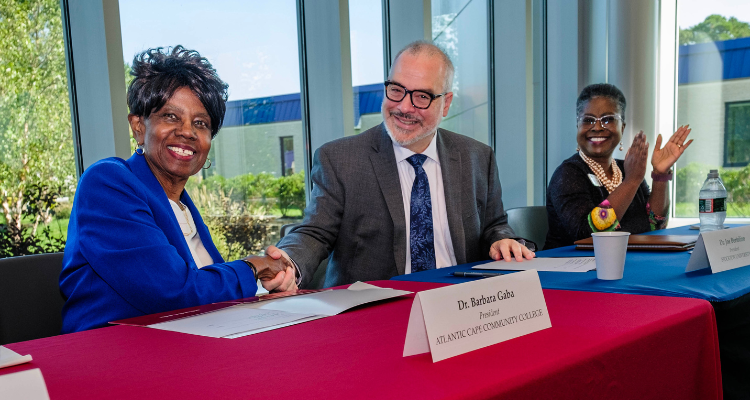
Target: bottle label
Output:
[(712, 205)]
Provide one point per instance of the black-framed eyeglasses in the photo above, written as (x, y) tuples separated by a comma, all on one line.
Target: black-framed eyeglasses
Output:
[(608, 122), (419, 98)]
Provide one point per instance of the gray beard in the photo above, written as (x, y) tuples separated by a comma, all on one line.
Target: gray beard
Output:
[(408, 142)]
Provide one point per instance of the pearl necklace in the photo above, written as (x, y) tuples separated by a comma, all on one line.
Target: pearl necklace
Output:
[(599, 172)]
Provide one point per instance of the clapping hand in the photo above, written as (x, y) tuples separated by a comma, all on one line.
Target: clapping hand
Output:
[(635, 159), (664, 158)]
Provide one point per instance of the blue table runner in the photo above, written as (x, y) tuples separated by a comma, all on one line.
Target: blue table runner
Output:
[(646, 272)]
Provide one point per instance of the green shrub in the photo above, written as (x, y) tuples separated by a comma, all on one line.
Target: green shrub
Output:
[(290, 193), (691, 177), (32, 234)]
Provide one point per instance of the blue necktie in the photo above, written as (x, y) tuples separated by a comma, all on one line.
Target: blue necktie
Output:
[(421, 236)]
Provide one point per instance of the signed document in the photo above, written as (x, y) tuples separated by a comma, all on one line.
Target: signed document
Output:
[(570, 264), (250, 318)]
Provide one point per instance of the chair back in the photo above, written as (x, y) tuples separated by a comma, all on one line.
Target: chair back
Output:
[(30, 299), (530, 223)]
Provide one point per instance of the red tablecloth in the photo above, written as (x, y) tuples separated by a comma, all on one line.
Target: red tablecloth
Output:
[(600, 346)]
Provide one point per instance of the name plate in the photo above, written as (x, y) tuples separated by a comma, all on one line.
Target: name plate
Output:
[(27, 385), (721, 250), (457, 319)]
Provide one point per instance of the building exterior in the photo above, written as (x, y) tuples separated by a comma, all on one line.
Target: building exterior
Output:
[(713, 96), (265, 134)]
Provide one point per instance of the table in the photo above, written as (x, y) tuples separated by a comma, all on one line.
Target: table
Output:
[(660, 274), (600, 345)]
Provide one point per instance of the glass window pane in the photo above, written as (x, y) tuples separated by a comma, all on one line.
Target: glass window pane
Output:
[(713, 96), (256, 182), (460, 28), (366, 41), (37, 165)]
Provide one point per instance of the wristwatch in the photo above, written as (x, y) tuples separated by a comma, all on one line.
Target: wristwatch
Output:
[(529, 245)]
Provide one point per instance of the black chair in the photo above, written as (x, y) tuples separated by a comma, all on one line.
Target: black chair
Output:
[(319, 278), (530, 223), (30, 299)]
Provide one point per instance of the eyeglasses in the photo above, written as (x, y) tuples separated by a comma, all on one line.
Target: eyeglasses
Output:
[(608, 121), (419, 98)]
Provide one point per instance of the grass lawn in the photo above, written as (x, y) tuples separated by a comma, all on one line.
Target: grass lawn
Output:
[(734, 210)]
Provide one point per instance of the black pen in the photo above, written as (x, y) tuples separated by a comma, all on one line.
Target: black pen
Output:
[(478, 274)]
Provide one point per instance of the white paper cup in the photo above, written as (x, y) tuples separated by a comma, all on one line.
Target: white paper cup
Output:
[(609, 252)]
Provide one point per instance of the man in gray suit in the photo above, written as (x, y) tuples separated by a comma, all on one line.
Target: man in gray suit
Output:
[(404, 196)]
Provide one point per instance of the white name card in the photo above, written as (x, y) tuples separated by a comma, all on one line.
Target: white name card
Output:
[(721, 250), (457, 319), (27, 385)]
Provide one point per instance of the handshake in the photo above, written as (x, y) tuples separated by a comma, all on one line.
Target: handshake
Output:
[(275, 270)]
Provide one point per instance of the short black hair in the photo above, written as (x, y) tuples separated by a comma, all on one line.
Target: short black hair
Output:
[(607, 90), (158, 73)]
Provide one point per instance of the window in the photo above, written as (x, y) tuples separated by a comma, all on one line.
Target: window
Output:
[(366, 42), (37, 165), (713, 96), (256, 182), (737, 134), (287, 155), (460, 28)]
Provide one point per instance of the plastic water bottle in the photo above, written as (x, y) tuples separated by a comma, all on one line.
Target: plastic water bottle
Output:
[(712, 203)]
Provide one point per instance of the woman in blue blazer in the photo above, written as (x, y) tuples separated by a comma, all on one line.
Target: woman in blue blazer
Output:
[(136, 243)]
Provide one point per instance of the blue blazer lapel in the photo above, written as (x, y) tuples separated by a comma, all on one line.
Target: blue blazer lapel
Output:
[(163, 214), (450, 166), (383, 161)]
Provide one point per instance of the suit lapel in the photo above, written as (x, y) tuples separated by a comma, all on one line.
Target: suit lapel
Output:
[(164, 217), (383, 161), (450, 166)]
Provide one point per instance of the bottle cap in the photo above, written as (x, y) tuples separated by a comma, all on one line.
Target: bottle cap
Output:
[(714, 173)]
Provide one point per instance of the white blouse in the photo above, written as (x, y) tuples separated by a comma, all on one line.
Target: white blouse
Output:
[(193, 239)]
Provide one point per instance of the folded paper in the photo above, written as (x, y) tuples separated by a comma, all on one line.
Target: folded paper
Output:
[(457, 319)]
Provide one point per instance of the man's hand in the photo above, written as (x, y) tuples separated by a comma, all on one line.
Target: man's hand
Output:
[(276, 253), (284, 281), (508, 248), (268, 268)]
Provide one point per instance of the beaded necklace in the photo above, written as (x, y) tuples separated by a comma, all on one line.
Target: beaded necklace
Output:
[(599, 172)]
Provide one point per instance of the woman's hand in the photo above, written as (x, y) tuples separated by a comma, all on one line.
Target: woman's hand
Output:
[(636, 158), (664, 158)]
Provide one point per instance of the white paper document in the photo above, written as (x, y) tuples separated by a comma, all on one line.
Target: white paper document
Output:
[(230, 321), (251, 318), (562, 264), (9, 358), (26, 385)]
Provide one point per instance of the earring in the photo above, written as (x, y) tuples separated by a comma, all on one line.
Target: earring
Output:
[(578, 148), (139, 149), (209, 164), (620, 146)]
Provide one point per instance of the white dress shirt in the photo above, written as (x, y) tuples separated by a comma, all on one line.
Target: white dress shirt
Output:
[(444, 256), (193, 239)]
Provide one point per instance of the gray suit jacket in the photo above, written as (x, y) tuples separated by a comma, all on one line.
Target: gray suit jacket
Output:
[(356, 212)]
